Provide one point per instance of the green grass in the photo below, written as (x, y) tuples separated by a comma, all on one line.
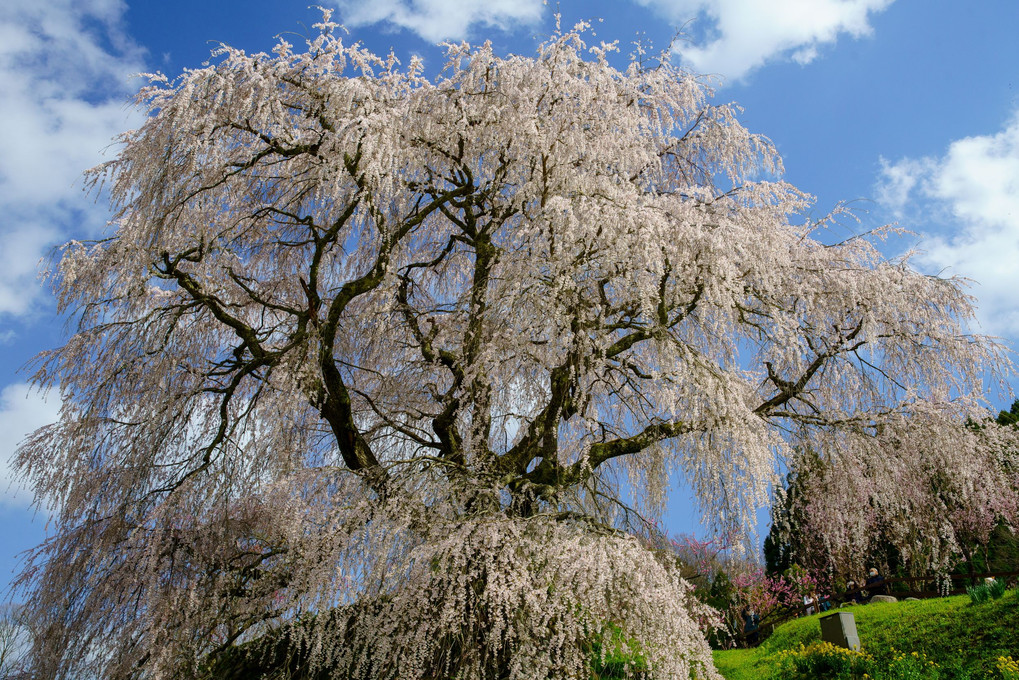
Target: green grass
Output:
[(951, 631)]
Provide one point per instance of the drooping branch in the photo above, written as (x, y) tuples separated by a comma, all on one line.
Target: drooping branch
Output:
[(790, 389)]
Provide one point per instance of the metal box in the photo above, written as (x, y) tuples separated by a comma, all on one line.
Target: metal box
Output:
[(839, 628)]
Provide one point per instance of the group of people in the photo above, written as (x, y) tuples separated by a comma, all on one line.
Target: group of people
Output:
[(875, 585), (813, 602)]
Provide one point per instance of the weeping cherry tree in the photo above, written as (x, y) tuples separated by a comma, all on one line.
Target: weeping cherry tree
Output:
[(381, 366)]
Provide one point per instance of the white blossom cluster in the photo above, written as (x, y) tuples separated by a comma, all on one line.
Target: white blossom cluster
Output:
[(492, 594)]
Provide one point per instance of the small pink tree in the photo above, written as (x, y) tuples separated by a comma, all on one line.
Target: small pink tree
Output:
[(736, 586)]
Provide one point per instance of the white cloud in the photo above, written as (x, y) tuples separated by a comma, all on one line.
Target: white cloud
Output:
[(975, 188), (64, 72), (438, 20), (898, 181), (22, 411), (744, 34)]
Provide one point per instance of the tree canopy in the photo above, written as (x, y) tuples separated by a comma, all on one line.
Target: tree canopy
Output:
[(403, 349)]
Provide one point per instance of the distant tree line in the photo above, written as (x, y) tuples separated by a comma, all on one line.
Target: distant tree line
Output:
[(791, 540)]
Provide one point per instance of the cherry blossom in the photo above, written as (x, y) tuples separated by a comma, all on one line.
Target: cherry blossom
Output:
[(398, 352)]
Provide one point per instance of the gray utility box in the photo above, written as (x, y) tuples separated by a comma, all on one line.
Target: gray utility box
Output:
[(840, 630)]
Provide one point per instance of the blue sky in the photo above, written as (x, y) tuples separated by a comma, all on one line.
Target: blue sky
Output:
[(907, 108)]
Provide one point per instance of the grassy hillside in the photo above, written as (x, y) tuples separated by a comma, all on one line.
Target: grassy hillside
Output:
[(964, 640)]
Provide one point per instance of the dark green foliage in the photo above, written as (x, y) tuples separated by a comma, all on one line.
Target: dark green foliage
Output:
[(622, 658), (788, 543), (991, 590), (785, 543), (778, 545), (1011, 416), (978, 594), (999, 553)]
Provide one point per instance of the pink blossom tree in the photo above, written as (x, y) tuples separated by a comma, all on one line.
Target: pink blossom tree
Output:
[(768, 595), (373, 360)]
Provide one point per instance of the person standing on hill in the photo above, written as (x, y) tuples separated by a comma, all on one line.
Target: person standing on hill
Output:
[(751, 627)]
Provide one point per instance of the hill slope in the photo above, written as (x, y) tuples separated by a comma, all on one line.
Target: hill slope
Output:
[(951, 631)]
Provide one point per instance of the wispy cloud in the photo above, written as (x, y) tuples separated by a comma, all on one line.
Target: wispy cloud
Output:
[(22, 411), (64, 72), (742, 35), (438, 20), (898, 180), (973, 189)]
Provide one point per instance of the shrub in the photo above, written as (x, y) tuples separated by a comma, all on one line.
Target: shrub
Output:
[(978, 594), (989, 590), (823, 660), (614, 657)]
